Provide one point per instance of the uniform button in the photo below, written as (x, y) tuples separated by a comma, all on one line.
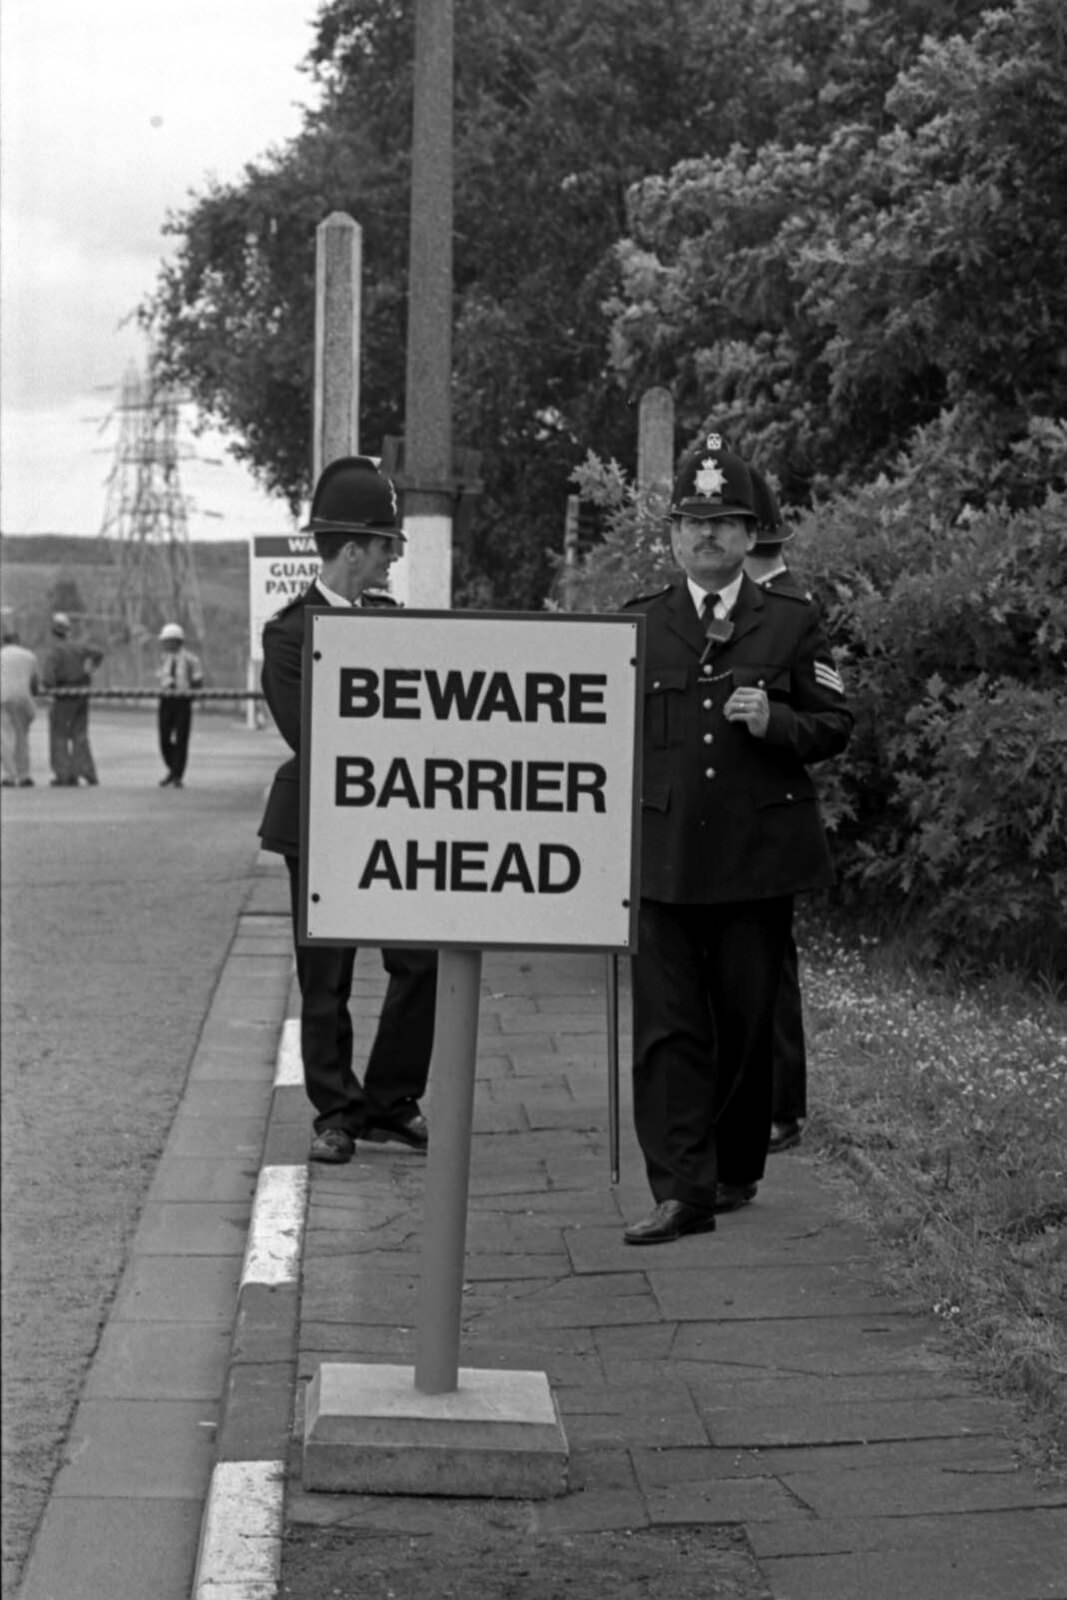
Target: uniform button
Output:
[(709, 772), (707, 705), (709, 738), (655, 683)]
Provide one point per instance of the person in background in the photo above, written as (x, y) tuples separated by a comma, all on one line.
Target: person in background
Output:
[(357, 532), (18, 685), (179, 673), (69, 665), (741, 696), (765, 564)]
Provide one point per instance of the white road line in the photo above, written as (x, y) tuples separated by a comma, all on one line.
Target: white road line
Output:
[(241, 1540), (276, 1229), (289, 1068)]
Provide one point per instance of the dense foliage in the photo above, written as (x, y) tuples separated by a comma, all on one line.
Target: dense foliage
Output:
[(947, 607), (824, 220)]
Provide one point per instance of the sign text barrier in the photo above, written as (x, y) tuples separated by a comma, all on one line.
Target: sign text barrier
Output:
[(470, 779)]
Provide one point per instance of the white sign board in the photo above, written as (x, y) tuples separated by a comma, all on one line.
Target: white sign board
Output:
[(280, 567), (470, 779)]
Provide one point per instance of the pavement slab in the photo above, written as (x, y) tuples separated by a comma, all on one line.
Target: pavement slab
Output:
[(115, 1548)]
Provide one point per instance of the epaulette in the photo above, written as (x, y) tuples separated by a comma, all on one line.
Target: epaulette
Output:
[(643, 599), (786, 587)]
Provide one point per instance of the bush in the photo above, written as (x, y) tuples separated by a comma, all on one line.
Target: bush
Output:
[(948, 612)]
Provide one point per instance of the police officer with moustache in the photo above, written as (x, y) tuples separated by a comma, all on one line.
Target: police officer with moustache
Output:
[(357, 532), (741, 696), (765, 564)]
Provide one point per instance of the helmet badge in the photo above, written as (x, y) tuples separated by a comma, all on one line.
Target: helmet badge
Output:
[(709, 480)]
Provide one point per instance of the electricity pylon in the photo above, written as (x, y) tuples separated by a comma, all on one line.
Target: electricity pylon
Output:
[(145, 518)]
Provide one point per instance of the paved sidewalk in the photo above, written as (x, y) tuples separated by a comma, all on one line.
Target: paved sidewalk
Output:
[(759, 1406), (124, 1514)]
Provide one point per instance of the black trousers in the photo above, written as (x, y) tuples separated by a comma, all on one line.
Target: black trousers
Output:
[(399, 1061), (790, 1098), (175, 723), (705, 983)]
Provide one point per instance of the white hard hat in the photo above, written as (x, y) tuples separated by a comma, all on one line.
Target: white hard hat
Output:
[(60, 622), (171, 630)]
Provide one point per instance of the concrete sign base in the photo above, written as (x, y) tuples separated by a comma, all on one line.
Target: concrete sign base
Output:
[(370, 1431)]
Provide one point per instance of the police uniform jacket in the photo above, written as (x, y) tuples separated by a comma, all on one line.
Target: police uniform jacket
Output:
[(281, 680), (727, 816)]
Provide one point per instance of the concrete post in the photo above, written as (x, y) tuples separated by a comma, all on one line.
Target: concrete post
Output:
[(338, 264), (655, 440), (424, 575)]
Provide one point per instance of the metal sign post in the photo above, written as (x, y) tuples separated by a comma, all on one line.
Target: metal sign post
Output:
[(444, 1228)]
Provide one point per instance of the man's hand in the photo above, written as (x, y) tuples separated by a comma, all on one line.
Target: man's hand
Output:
[(751, 707)]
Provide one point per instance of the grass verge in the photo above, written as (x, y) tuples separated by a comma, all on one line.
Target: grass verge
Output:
[(949, 1098)]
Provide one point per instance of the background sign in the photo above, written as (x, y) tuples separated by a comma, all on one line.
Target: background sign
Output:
[(470, 778), (280, 566)]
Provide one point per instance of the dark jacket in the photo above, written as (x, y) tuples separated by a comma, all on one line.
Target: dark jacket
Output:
[(70, 666), (727, 816), (282, 680)]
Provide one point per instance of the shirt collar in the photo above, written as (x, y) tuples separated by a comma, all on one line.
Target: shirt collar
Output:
[(727, 597), (333, 597)]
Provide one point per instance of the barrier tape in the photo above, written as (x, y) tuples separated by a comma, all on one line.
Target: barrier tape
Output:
[(147, 694)]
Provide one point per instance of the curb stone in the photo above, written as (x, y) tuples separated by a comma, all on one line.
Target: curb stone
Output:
[(239, 1555)]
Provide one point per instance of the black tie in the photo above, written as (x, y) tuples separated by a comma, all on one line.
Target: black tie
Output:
[(707, 610)]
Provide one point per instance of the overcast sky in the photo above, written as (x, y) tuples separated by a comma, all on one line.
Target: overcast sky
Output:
[(113, 112)]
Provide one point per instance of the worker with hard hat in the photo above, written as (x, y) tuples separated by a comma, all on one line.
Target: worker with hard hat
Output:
[(179, 674), (68, 666)]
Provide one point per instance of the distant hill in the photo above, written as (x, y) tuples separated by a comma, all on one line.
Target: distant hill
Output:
[(41, 573)]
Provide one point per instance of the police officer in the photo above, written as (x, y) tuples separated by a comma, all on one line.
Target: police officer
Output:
[(765, 564), (357, 532), (179, 673), (741, 696)]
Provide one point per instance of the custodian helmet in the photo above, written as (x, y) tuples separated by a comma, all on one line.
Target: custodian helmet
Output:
[(353, 496), (712, 482), (771, 529)]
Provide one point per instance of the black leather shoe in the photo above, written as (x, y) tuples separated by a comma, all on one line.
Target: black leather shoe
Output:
[(670, 1220), (332, 1145), (732, 1196), (784, 1135), (407, 1127)]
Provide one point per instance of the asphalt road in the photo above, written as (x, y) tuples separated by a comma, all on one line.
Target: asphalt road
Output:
[(119, 904)]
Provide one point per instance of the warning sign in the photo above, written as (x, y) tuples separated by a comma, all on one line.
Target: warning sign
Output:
[(280, 567), (470, 779)]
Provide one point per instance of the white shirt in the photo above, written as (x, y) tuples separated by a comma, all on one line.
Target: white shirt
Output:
[(18, 674), (333, 597), (727, 597)]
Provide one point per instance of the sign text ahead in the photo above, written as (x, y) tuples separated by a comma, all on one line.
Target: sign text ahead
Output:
[(470, 779)]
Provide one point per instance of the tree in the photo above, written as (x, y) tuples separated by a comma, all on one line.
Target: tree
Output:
[(560, 110), (827, 300)]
